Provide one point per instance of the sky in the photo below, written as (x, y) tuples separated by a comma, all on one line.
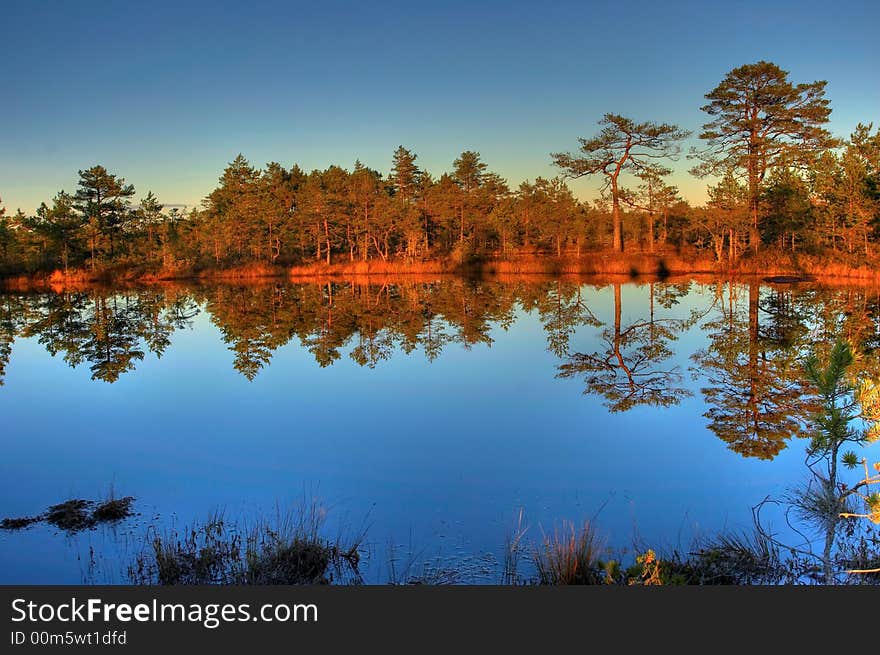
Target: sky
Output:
[(165, 94)]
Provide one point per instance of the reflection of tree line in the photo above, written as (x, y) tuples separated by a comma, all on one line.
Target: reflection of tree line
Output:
[(750, 368), (106, 331), (753, 365), (373, 320)]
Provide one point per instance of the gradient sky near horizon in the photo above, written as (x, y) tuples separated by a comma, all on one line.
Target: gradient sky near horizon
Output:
[(166, 94)]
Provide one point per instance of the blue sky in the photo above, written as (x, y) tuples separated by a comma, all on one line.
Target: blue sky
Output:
[(165, 94)]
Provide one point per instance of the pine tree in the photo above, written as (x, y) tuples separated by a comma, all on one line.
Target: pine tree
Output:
[(622, 146), (842, 403), (404, 174), (6, 235), (61, 225), (468, 175), (759, 119), (102, 199)]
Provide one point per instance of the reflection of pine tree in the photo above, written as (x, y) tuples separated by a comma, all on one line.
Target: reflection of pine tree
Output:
[(562, 310), (12, 318), (160, 315), (6, 338), (630, 371), (668, 295), (107, 331), (112, 347), (254, 321), (755, 388), (321, 322), (853, 315), (434, 338), (472, 309), (373, 346), (409, 316), (62, 324), (375, 325), (785, 326)]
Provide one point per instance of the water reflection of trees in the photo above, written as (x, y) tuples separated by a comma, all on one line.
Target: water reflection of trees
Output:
[(111, 331), (749, 369), (108, 332), (754, 384), (372, 321), (753, 364), (632, 368), (13, 315)]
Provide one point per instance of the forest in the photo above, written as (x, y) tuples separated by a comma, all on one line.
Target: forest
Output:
[(780, 186)]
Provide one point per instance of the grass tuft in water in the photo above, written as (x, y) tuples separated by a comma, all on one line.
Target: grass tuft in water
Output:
[(19, 523), (71, 515), (730, 559), (77, 514), (286, 551), (114, 509), (570, 556)]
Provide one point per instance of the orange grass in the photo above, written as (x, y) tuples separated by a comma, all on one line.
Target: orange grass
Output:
[(373, 267), (570, 556), (826, 268)]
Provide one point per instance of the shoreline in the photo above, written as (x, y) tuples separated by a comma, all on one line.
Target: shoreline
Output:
[(634, 266)]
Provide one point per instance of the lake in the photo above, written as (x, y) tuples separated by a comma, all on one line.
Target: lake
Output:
[(425, 413)]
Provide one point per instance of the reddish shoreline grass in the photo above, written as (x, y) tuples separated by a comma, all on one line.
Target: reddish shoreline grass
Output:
[(374, 267), (633, 265)]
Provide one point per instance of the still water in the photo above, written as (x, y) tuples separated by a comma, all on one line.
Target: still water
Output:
[(427, 413)]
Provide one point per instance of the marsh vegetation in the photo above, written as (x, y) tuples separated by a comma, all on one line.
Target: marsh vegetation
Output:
[(76, 514)]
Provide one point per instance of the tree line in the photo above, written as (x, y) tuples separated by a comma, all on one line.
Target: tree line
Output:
[(778, 180)]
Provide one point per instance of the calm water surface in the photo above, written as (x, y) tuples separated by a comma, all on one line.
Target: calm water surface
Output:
[(428, 413)]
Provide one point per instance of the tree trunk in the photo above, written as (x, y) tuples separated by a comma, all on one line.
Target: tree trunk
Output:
[(616, 228), (617, 312), (427, 228), (833, 517), (92, 248), (754, 234), (718, 244), (461, 225), (617, 338), (327, 238), (752, 168), (269, 248), (753, 373)]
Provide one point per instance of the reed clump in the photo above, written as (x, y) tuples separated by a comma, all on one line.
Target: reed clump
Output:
[(77, 514), (570, 556), (289, 550)]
